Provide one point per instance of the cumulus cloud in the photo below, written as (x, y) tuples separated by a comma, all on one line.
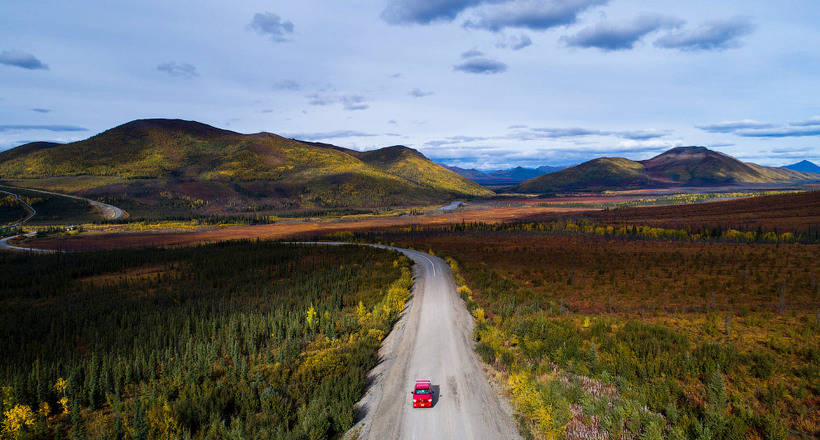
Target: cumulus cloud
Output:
[(514, 42), (272, 26), (732, 126), (181, 70), (419, 93), (530, 14), (328, 135), (286, 84), (41, 127), (609, 37), (425, 11), (715, 35), (21, 59), (350, 101), (481, 66), (814, 120)]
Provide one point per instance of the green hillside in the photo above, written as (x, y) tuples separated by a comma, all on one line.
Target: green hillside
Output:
[(594, 175), (192, 167), (681, 166)]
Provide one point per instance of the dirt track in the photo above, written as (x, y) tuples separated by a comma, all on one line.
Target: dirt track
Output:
[(433, 340)]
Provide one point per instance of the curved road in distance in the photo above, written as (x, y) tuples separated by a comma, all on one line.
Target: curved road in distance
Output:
[(432, 340), (109, 212)]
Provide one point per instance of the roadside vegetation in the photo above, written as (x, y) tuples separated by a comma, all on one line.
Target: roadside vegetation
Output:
[(606, 335), (11, 210), (233, 340), (53, 209)]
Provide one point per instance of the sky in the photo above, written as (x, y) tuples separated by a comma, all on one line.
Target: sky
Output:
[(473, 83)]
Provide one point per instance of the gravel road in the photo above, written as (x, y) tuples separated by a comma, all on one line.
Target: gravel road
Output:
[(432, 340)]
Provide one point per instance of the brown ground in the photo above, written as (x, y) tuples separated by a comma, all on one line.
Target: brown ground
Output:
[(288, 230)]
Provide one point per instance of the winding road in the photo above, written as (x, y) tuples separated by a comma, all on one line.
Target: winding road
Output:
[(432, 340), (109, 212)]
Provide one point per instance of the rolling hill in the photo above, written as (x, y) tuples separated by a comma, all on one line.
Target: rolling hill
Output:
[(185, 166), (681, 166), (804, 166)]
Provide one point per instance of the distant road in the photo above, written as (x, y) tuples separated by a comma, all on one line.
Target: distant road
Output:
[(109, 212), (432, 340), (32, 212)]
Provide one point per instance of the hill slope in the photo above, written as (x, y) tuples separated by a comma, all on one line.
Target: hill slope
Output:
[(804, 166), (681, 166), (196, 167)]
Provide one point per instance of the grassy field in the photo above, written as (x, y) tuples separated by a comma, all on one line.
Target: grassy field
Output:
[(629, 336), (234, 340)]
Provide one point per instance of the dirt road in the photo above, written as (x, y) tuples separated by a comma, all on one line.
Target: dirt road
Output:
[(109, 212), (432, 340)]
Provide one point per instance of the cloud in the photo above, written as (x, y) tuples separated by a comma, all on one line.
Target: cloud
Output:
[(556, 133), (21, 59), (641, 135), (514, 42), (715, 35), (425, 11), (350, 101), (732, 126), (512, 127), (530, 14), (328, 135), (780, 132), (181, 70), (287, 84), (41, 127), (419, 93), (396, 75), (610, 37), (271, 25), (814, 120), (354, 102), (481, 65), (41, 110), (578, 132), (452, 140), (472, 53)]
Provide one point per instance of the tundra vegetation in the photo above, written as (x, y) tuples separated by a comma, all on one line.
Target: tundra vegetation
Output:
[(232, 340), (597, 331)]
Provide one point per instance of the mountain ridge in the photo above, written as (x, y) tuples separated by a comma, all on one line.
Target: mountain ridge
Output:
[(804, 166), (187, 161), (679, 166)]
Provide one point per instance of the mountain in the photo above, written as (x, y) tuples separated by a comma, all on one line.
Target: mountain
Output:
[(167, 163), (504, 177), (681, 166), (804, 166)]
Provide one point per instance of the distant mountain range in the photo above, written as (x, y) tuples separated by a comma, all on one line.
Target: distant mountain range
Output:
[(681, 166), (504, 177), (804, 166), (168, 163)]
